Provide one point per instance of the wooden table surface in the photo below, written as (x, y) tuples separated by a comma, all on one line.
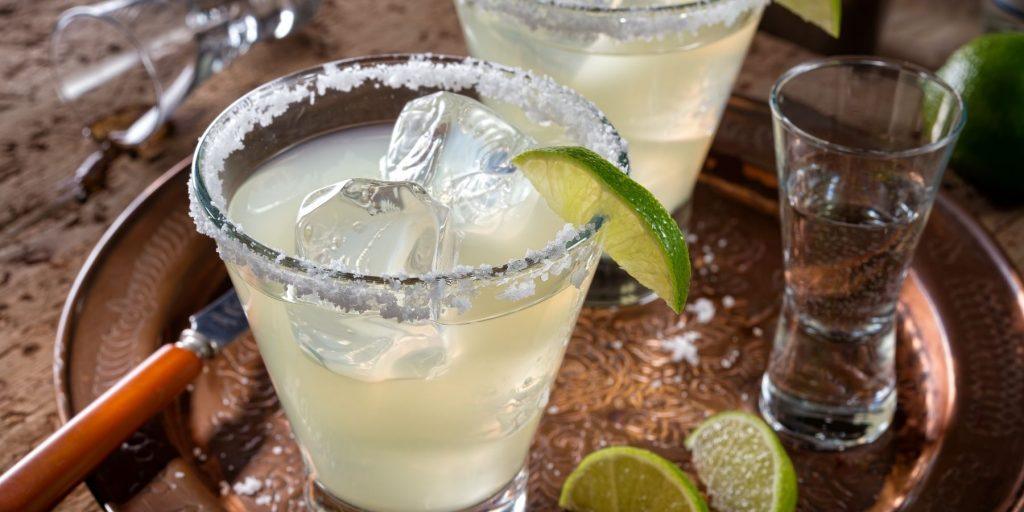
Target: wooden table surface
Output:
[(40, 145)]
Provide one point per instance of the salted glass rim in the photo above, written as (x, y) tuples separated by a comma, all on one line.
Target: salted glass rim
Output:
[(668, 7), (208, 207), (643, 22), (900, 66)]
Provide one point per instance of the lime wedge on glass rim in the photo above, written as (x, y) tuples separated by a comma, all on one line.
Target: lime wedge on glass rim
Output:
[(826, 14), (639, 234), (742, 464), (627, 479)]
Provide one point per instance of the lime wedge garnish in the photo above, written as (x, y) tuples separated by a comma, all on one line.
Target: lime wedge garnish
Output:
[(638, 233), (627, 479), (823, 13), (742, 464)]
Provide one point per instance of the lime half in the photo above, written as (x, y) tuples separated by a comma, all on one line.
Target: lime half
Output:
[(823, 13), (742, 464), (638, 233), (627, 479)]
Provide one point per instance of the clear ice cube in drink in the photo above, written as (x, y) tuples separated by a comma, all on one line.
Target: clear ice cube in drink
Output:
[(372, 227), (375, 227), (459, 150), (367, 347)]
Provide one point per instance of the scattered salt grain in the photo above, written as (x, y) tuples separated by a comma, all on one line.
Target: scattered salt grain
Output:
[(757, 331), (730, 359), (247, 487), (722, 243), (728, 301), (703, 309), (276, 450), (263, 499), (617, 344), (179, 475), (681, 347)]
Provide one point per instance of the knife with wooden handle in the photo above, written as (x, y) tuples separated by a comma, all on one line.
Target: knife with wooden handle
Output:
[(43, 477)]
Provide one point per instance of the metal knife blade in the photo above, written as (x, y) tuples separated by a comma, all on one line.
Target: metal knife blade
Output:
[(219, 323)]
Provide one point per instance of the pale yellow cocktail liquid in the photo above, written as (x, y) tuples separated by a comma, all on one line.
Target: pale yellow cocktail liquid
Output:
[(382, 437)]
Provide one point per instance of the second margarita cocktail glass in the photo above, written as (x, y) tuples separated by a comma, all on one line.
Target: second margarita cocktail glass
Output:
[(661, 70), (407, 391)]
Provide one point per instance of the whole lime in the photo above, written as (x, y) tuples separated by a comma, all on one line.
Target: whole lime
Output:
[(989, 74)]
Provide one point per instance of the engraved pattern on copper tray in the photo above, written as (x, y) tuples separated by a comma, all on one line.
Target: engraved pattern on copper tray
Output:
[(956, 443)]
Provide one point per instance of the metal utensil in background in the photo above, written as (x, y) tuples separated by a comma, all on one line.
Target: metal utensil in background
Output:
[(124, 66), (44, 476)]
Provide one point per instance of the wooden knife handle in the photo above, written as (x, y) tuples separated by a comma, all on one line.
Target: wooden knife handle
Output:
[(44, 476)]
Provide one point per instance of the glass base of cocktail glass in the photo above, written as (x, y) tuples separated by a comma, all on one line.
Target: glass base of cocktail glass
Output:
[(416, 390), (510, 499)]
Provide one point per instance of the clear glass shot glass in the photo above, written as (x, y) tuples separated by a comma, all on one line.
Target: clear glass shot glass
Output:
[(662, 72), (124, 65), (861, 144), (452, 435)]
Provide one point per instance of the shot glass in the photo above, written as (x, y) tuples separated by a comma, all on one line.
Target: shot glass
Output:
[(124, 65), (861, 144)]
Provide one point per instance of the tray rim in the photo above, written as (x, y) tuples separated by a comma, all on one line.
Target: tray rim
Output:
[(106, 243)]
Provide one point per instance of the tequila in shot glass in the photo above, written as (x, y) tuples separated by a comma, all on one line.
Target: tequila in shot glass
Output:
[(410, 292), (661, 70), (861, 145)]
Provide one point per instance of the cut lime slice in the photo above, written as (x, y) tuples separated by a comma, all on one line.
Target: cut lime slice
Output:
[(823, 13), (638, 233), (627, 479), (742, 464)]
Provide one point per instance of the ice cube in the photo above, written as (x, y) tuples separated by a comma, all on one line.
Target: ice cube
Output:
[(375, 227), (367, 347), (459, 150)]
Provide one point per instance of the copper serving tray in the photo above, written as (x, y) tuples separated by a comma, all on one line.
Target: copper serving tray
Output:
[(957, 442)]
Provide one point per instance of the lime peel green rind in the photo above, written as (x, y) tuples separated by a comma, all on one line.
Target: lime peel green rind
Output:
[(723, 447), (825, 14), (638, 233), (988, 72), (628, 479)]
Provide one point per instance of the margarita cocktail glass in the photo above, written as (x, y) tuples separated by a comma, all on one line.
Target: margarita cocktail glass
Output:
[(661, 70), (406, 392)]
